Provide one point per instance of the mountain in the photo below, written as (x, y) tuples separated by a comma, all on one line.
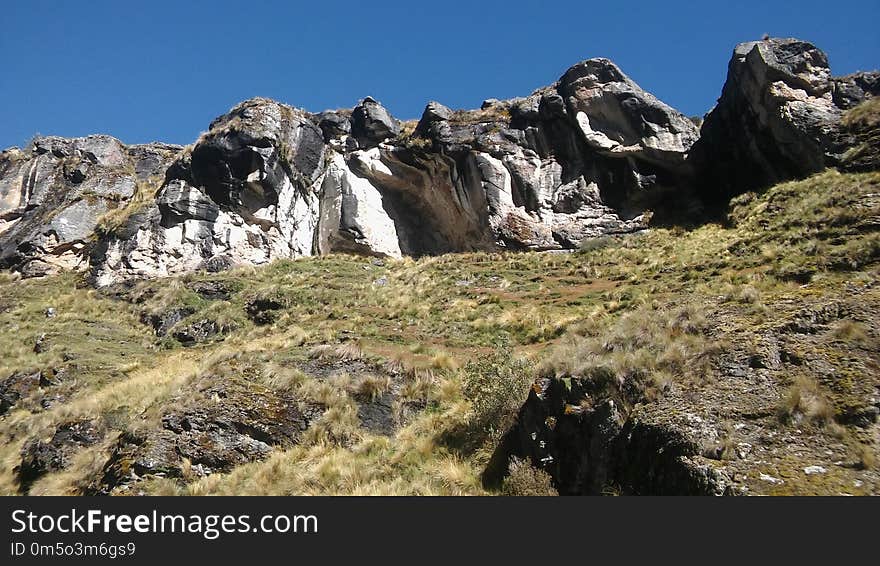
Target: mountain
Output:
[(346, 303)]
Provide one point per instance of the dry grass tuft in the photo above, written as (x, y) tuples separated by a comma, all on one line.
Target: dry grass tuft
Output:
[(805, 402), (371, 386), (524, 480)]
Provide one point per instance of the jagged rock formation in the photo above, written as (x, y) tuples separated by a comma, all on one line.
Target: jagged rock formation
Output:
[(268, 181), (572, 161), (53, 195), (778, 117), (246, 192), (593, 154)]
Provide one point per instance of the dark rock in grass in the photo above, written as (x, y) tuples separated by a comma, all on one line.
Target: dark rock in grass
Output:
[(211, 290), (217, 263), (264, 310), (377, 415), (39, 458), (576, 432), (199, 331), (219, 428), (16, 386), (22, 384), (163, 322)]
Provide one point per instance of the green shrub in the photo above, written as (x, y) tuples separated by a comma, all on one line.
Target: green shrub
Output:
[(496, 386)]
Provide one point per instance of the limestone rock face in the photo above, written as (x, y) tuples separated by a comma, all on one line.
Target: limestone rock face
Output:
[(778, 117), (353, 217), (590, 155), (245, 194), (53, 194), (268, 181)]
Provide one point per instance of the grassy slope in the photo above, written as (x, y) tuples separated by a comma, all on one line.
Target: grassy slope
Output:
[(661, 297)]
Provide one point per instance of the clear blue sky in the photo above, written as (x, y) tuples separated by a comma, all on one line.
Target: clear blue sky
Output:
[(161, 70)]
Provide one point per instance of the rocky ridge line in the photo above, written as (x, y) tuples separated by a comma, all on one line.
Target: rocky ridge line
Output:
[(591, 155)]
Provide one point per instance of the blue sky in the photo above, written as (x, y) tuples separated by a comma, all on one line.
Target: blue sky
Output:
[(161, 70)]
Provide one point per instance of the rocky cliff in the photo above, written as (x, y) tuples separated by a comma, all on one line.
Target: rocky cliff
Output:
[(591, 155), (778, 118)]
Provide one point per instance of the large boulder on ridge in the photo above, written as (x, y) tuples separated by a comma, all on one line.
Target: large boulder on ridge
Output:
[(778, 117), (371, 123), (617, 117)]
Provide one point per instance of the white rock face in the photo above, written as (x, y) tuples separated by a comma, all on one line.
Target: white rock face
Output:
[(596, 139), (207, 234), (268, 181), (353, 215), (591, 155), (236, 200)]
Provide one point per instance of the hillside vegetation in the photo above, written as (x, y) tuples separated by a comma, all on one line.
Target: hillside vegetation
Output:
[(401, 376)]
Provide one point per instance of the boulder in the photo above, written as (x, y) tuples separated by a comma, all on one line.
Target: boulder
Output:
[(371, 123), (434, 112), (40, 457), (218, 427), (18, 385), (778, 118), (617, 118), (334, 125)]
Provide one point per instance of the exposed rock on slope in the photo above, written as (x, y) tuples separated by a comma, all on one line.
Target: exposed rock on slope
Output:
[(588, 445), (863, 123), (778, 117), (245, 193), (582, 158), (53, 195)]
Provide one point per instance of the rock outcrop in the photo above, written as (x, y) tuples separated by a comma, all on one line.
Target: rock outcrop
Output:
[(778, 118), (53, 195), (588, 438), (40, 457), (585, 157), (246, 192), (591, 155), (228, 425)]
